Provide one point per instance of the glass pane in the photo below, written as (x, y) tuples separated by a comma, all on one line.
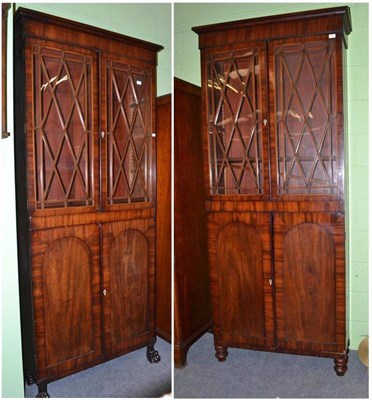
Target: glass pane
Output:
[(62, 128), (234, 115), (128, 119), (305, 118)]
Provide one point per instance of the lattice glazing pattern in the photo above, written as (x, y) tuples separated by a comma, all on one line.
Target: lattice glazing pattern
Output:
[(62, 128), (234, 117), (129, 144), (305, 77)]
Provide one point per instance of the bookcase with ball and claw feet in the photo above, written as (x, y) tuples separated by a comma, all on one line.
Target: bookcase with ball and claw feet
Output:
[(86, 201)]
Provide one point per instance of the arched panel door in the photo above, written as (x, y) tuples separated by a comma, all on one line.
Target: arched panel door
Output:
[(241, 280), (67, 311), (239, 253), (128, 284), (66, 264), (308, 258)]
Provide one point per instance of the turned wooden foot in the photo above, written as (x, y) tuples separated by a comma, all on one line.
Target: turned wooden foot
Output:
[(341, 364), (221, 353), (180, 356)]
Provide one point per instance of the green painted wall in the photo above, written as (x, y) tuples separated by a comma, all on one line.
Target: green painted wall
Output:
[(187, 67), (151, 22), (147, 21)]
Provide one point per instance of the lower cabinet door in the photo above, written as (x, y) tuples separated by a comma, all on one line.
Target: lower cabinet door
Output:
[(128, 260), (241, 278), (66, 295), (310, 282)]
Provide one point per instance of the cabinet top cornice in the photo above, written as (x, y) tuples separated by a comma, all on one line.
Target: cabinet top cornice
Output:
[(326, 20), (27, 14)]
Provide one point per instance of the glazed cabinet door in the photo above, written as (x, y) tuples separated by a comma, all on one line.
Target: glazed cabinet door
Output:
[(66, 296), (128, 156), (241, 278), (128, 264), (310, 281), (306, 118), (62, 128), (236, 114)]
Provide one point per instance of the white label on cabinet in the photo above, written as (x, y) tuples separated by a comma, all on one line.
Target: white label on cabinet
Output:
[(139, 83), (331, 36)]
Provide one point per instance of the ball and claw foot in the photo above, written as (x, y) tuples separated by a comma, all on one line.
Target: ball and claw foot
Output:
[(341, 364), (221, 353), (42, 394), (152, 354), (30, 378), (42, 390)]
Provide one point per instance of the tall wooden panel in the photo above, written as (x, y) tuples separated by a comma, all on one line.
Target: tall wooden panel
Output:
[(310, 281), (163, 215), (191, 287), (66, 292), (240, 253), (273, 137), (128, 283)]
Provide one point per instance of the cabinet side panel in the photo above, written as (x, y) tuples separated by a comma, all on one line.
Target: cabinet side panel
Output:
[(25, 281), (163, 215), (193, 315)]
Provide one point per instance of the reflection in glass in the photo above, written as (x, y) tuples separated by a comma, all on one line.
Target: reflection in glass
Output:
[(234, 116), (306, 118)]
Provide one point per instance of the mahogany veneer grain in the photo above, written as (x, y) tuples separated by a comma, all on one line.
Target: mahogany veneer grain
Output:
[(86, 194), (192, 307)]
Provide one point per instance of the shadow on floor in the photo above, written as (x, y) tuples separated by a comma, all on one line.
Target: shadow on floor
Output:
[(256, 374), (128, 376)]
